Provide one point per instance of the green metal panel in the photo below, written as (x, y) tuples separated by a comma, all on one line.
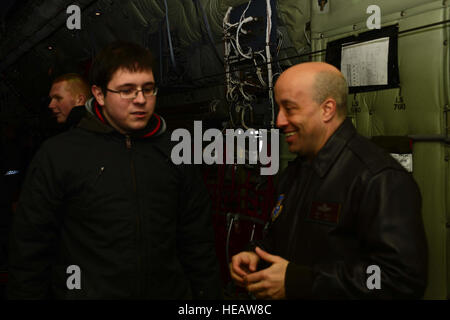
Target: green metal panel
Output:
[(424, 75), (422, 84), (447, 195), (429, 172), (294, 15), (350, 16), (424, 88), (347, 13)]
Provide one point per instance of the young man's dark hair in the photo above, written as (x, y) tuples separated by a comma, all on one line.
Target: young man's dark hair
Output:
[(117, 55)]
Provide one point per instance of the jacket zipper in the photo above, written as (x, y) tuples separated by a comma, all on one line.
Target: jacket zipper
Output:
[(98, 175), (133, 173), (298, 212), (138, 223)]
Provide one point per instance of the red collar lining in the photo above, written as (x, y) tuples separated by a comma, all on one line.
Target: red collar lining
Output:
[(147, 135), (97, 112)]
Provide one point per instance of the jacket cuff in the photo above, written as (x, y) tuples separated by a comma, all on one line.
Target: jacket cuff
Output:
[(298, 282)]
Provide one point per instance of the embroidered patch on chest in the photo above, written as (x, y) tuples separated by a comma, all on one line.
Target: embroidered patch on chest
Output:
[(327, 212), (278, 207)]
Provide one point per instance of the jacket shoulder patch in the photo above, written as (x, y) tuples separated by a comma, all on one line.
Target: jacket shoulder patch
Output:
[(278, 207)]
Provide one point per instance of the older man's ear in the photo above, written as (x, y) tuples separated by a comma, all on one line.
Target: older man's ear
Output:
[(329, 110)]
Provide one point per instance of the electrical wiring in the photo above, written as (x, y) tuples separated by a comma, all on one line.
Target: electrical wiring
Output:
[(226, 18), (230, 88), (247, 55), (261, 54), (215, 75), (279, 46), (227, 65), (231, 25), (269, 22), (243, 116), (306, 35), (269, 60), (237, 83), (258, 69), (253, 232), (227, 251), (172, 56), (242, 20), (275, 74), (244, 95), (236, 54), (280, 41), (252, 84), (230, 94), (233, 43), (242, 119), (259, 74), (213, 105)]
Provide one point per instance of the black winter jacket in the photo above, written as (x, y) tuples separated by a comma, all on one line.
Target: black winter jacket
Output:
[(352, 207), (137, 226)]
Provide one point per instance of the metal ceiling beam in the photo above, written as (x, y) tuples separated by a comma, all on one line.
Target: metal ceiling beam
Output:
[(51, 27)]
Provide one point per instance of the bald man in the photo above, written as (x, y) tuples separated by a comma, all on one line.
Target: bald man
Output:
[(347, 223), (68, 91)]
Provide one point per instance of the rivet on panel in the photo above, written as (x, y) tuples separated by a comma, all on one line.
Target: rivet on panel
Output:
[(445, 42), (354, 27), (403, 13), (321, 36)]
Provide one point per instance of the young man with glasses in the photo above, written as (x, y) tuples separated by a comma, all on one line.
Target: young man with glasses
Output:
[(104, 212)]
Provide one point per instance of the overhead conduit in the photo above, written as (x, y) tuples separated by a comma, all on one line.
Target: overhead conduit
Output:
[(38, 27)]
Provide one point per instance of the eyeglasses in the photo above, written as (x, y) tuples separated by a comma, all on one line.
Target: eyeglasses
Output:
[(132, 93)]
